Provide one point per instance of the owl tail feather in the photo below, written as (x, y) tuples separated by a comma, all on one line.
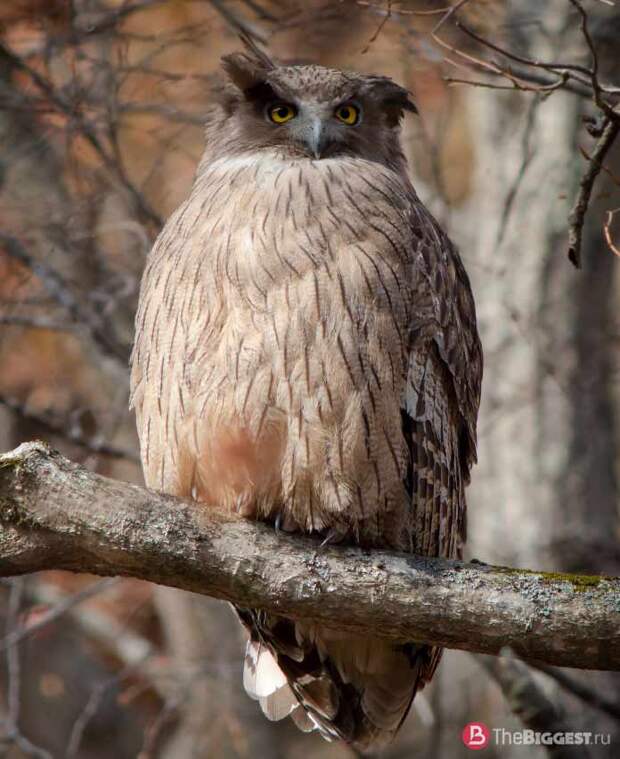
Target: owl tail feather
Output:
[(357, 690), (265, 682)]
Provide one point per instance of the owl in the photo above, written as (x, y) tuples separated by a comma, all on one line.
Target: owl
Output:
[(306, 355)]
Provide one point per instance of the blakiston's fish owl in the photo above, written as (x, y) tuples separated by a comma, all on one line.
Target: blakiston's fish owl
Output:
[(306, 354)]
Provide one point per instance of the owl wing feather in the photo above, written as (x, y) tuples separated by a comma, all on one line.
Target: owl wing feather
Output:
[(442, 393), (440, 405)]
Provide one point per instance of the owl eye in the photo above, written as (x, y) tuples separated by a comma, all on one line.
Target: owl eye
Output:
[(281, 113), (349, 114)]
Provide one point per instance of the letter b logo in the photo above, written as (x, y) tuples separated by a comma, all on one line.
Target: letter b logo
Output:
[(475, 735)]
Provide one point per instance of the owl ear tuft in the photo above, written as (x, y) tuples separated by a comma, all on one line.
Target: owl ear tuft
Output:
[(249, 69), (393, 99)]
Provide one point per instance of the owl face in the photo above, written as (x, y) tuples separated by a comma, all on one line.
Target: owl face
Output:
[(312, 111), (314, 126)]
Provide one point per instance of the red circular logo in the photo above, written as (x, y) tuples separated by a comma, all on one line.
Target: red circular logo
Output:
[(476, 735)]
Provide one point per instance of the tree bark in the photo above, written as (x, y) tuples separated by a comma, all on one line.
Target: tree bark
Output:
[(58, 515)]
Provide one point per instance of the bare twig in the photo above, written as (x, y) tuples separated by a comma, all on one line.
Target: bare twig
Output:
[(398, 10), (61, 428), (597, 700), (155, 727), (114, 636), (107, 22), (524, 73), (12, 654), (11, 724), (526, 158), (577, 215), (237, 23), (36, 322), (260, 12), (607, 231), (532, 74), (61, 292), (91, 707), (387, 15), (597, 88), (17, 634), (77, 119), (528, 701)]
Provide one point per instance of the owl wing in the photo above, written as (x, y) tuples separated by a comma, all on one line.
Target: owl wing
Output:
[(440, 403), (442, 394)]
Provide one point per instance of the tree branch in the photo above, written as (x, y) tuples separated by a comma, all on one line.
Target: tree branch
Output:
[(529, 702), (576, 217), (58, 515)]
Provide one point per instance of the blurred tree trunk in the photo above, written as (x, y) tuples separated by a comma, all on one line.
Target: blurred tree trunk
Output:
[(545, 493), (547, 328)]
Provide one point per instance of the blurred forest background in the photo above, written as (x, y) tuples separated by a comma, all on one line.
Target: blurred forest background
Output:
[(101, 112)]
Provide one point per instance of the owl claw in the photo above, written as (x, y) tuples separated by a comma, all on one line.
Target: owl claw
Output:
[(278, 521), (332, 536)]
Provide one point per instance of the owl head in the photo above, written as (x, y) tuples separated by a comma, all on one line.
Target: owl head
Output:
[(309, 110)]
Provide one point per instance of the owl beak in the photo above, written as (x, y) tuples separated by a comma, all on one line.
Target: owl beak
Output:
[(317, 139)]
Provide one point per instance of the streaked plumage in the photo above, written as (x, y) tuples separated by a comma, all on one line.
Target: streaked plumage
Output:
[(306, 354)]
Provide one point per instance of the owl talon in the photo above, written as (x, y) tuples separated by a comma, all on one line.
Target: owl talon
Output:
[(278, 522), (332, 536)]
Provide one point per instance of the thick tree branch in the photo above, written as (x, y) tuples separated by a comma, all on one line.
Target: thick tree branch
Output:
[(58, 515)]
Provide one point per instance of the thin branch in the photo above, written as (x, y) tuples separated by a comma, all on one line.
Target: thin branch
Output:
[(11, 723), (17, 634), (597, 88), (607, 232), (91, 707), (237, 23), (528, 701), (75, 117), (387, 15), (577, 215), (110, 20), (260, 12), (541, 75), (539, 88), (57, 515), (597, 700), (376, 8), (12, 654), (61, 292), (527, 155), (168, 112), (62, 429), (37, 322), (554, 66), (113, 636)]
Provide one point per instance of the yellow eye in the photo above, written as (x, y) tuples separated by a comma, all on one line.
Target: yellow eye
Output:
[(281, 113), (349, 114)]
